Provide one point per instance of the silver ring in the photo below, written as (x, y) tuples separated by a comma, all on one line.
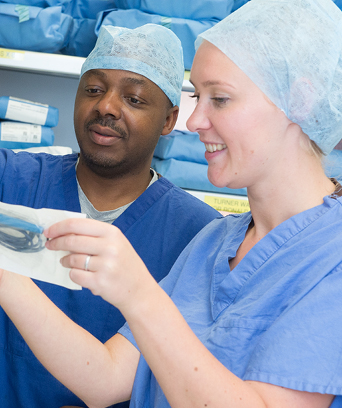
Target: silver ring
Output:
[(86, 263)]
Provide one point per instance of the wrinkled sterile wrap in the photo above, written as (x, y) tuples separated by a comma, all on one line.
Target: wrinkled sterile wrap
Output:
[(43, 265)]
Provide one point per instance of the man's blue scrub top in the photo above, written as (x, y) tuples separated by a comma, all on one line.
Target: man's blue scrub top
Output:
[(277, 316), (159, 224)]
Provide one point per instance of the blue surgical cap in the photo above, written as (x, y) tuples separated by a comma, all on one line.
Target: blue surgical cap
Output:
[(150, 50), (292, 50)]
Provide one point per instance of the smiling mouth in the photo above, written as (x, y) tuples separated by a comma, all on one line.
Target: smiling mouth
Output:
[(211, 148)]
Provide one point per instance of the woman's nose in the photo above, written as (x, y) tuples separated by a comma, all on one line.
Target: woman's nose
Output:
[(198, 120), (110, 103)]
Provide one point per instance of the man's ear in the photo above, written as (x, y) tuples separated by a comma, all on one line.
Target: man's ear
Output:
[(171, 120)]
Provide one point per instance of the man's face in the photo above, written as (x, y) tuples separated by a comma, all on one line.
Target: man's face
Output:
[(118, 117)]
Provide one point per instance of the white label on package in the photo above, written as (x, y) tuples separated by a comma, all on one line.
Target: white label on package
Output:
[(20, 132), (26, 111)]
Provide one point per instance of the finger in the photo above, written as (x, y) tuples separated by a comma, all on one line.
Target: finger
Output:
[(79, 261), (77, 244), (77, 226), (82, 278)]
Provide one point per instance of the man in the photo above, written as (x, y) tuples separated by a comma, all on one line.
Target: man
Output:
[(128, 96)]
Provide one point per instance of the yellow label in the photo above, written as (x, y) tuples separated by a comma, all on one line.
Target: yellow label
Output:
[(187, 75), (232, 205), (12, 54)]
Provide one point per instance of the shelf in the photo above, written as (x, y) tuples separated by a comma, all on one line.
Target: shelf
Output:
[(42, 63), (51, 64)]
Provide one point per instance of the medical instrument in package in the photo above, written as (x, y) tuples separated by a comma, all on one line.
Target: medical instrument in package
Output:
[(22, 243), (21, 235)]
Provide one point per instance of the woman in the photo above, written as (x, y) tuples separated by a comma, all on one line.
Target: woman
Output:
[(250, 314)]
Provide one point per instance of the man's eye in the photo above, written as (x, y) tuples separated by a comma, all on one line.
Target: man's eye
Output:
[(92, 90), (134, 100)]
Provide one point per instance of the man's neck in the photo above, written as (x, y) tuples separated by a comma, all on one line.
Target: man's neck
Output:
[(107, 194)]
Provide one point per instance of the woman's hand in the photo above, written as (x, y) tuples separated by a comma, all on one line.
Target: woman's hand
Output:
[(114, 270)]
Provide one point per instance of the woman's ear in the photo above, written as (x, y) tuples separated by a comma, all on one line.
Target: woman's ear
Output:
[(302, 99), (171, 120)]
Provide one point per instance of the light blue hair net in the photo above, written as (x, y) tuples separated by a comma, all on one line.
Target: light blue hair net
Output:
[(291, 49), (150, 50)]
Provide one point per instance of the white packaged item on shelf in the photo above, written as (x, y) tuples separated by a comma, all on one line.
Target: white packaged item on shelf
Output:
[(22, 110), (15, 135)]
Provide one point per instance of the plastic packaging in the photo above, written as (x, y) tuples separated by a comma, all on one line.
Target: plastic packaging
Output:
[(20, 235), (22, 246), (15, 135), (27, 111)]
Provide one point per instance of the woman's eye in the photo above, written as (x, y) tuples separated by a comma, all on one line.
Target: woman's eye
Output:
[(195, 96), (220, 101)]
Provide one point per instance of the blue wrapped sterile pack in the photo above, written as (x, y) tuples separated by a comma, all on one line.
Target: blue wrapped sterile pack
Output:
[(186, 30), (194, 10), (21, 110), (16, 135), (33, 28)]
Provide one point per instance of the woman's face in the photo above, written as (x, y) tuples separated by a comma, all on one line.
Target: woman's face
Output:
[(242, 130)]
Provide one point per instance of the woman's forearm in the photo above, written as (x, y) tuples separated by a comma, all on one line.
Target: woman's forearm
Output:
[(69, 352)]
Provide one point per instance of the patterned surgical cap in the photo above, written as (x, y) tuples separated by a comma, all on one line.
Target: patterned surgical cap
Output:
[(291, 49), (150, 50)]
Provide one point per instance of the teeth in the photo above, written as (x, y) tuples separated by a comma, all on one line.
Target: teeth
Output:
[(213, 147)]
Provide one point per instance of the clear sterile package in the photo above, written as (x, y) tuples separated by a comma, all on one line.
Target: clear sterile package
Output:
[(20, 234), (22, 243)]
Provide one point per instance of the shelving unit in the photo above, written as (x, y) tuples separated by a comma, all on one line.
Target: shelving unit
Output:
[(53, 79), (47, 78)]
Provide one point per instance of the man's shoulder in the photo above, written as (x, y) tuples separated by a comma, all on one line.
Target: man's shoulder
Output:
[(31, 160)]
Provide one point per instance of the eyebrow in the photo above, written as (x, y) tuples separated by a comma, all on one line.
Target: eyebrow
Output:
[(128, 79), (206, 84), (135, 81)]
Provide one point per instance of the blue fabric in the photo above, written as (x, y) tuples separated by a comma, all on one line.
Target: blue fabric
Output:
[(180, 145), (276, 316), (38, 3), (238, 4), (338, 3), (159, 224), (186, 30), (87, 8), (194, 10), (46, 30), (82, 38)]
